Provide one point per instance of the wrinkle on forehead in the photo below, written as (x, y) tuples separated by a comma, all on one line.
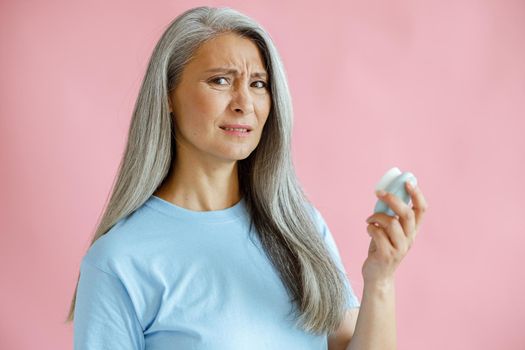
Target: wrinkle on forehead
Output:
[(230, 51)]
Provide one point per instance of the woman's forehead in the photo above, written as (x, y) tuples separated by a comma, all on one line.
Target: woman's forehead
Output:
[(232, 52)]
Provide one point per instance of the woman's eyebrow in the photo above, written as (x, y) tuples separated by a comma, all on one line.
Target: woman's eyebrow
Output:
[(235, 72)]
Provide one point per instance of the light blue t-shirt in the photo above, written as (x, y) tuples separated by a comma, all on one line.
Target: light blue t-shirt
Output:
[(167, 277)]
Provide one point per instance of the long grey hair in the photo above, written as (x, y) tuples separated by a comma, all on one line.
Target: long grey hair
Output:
[(280, 210)]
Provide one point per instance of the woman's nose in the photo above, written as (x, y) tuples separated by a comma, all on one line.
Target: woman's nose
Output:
[(242, 98)]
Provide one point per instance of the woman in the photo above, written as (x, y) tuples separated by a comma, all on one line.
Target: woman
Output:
[(208, 241)]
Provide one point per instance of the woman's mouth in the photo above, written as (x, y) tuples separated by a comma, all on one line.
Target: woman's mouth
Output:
[(236, 131)]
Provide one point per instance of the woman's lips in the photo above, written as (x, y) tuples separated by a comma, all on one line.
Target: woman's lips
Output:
[(237, 126), (236, 132)]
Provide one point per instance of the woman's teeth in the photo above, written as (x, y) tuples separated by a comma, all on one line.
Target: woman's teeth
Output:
[(231, 129)]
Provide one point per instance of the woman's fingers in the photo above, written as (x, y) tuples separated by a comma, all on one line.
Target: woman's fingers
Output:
[(399, 231), (406, 215), (380, 237), (419, 204), (392, 228)]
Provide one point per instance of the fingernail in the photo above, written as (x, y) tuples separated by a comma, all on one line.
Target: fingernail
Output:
[(380, 193), (409, 185)]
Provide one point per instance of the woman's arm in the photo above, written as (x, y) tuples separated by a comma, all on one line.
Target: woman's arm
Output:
[(372, 326), (104, 317), (392, 237), (376, 322)]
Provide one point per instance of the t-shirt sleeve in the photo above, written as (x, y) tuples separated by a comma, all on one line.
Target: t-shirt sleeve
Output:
[(352, 300), (104, 315)]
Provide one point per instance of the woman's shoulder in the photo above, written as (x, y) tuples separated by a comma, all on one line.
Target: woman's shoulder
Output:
[(121, 243), (107, 249)]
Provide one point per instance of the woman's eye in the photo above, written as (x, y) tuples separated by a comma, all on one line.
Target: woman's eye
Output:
[(262, 82), (219, 78)]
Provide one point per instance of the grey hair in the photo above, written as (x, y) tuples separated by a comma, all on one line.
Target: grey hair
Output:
[(279, 209)]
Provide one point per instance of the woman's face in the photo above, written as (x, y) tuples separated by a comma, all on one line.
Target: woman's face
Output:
[(205, 100)]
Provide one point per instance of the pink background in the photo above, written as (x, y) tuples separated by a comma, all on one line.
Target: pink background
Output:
[(434, 88)]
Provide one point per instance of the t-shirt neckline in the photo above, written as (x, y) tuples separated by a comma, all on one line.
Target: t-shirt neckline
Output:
[(221, 215)]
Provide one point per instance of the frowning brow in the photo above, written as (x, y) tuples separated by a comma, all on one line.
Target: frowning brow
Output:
[(235, 72)]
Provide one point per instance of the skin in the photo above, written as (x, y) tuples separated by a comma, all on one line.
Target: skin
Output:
[(204, 175), (373, 325)]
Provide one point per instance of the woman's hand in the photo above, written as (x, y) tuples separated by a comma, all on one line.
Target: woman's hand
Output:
[(392, 236)]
